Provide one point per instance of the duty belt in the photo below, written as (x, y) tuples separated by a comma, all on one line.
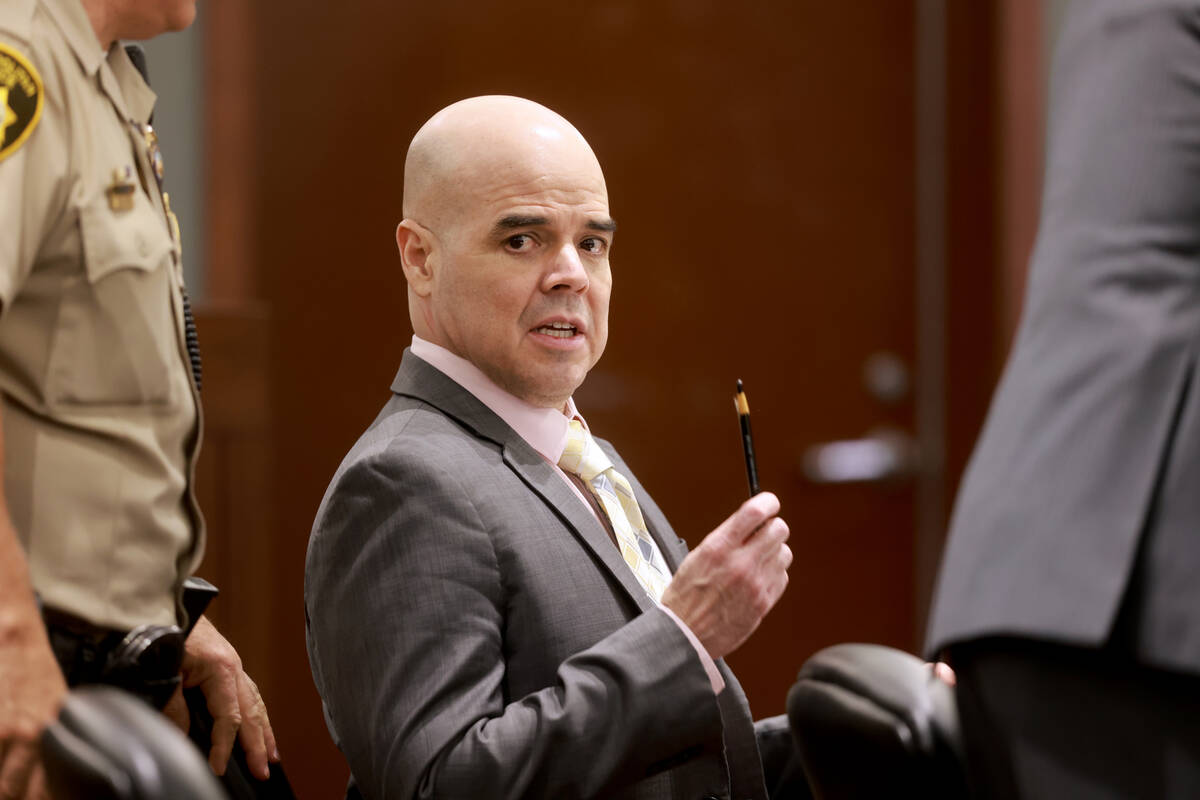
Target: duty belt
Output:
[(144, 661)]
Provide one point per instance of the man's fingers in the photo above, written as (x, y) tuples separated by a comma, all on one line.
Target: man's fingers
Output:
[(774, 559), (772, 534), (749, 516), (234, 701), (220, 694), (785, 556), (256, 728), (764, 545), (268, 733), (785, 560), (37, 785), (260, 712), (20, 759), (272, 744), (176, 710), (943, 671), (223, 735)]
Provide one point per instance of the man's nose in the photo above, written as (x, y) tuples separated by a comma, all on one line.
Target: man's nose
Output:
[(566, 270)]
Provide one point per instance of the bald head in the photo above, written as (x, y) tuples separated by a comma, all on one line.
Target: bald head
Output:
[(505, 243), (476, 140)]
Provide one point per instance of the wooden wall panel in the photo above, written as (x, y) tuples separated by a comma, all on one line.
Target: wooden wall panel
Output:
[(234, 483)]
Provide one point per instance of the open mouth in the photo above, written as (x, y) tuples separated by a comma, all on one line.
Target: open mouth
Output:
[(559, 330)]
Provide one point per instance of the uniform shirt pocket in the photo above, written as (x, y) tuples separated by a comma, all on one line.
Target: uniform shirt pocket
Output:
[(116, 328)]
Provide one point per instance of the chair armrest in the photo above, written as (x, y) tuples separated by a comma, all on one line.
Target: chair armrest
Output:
[(875, 721), (108, 745)]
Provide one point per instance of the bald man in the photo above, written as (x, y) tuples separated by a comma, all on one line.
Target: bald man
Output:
[(495, 606)]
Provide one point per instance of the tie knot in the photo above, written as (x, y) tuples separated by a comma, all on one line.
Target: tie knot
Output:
[(582, 456)]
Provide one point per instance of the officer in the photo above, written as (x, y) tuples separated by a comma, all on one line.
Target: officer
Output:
[(99, 404)]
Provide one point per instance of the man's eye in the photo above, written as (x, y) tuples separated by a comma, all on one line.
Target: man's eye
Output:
[(594, 244), (521, 241)]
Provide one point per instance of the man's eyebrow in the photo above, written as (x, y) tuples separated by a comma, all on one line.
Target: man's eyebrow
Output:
[(513, 221), (508, 223), (608, 224)]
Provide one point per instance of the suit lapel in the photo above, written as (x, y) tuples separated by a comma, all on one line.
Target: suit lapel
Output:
[(421, 381), (537, 473)]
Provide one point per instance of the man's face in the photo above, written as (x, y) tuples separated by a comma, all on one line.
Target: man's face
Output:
[(523, 276), (145, 19)]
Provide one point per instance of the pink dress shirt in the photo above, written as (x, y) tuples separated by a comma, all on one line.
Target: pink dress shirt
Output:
[(545, 430)]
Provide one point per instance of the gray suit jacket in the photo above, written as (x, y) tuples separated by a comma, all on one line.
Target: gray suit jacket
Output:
[(1090, 456), (473, 632)]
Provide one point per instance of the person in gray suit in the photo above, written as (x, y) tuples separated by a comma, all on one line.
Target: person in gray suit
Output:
[(1069, 595), (476, 623)]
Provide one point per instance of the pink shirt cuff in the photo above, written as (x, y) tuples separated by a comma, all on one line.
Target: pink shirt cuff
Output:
[(710, 666)]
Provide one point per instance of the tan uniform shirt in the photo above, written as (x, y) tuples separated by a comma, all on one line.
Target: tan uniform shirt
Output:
[(100, 416)]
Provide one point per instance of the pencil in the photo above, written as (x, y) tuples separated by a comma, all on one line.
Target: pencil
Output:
[(743, 410)]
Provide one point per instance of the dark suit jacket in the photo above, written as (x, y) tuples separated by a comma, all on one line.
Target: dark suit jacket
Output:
[(473, 632), (1091, 451)]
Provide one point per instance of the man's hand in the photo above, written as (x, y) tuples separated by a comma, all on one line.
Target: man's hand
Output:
[(31, 691), (942, 671), (210, 662), (32, 688), (725, 587)]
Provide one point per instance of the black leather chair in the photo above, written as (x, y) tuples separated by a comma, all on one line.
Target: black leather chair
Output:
[(874, 722), (109, 745)]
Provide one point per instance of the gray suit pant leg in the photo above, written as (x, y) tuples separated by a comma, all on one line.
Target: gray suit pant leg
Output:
[(1043, 720)]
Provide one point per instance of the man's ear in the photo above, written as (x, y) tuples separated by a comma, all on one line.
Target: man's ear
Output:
[(416, 243)]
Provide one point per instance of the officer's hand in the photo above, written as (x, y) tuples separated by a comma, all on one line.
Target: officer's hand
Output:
[(210, 662), (31, 691), (725, 587)]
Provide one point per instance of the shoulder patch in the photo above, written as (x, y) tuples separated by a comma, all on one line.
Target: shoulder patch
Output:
[(21, 97)]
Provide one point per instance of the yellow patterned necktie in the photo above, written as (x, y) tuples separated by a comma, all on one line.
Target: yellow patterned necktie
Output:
[(583, 457)]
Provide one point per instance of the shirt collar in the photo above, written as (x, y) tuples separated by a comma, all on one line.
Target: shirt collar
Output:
[(132, 95), (544, 429), (76, 28), (123, 84)]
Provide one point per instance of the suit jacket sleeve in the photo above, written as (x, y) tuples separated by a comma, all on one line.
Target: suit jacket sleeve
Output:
[(406, 601)]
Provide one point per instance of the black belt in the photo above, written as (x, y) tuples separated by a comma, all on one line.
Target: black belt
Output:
[(144, 661)]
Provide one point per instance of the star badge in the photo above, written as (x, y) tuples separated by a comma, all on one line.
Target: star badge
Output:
[(21, 97)]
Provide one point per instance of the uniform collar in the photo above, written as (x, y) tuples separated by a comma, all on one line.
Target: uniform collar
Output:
[(129, 91), (119, 79), (76, 28)]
